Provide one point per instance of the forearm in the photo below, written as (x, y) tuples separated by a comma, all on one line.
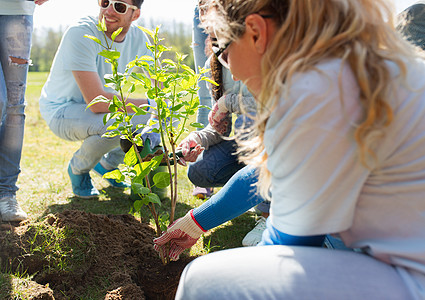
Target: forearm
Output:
[(234, 199), (238, 104), (103, 107)]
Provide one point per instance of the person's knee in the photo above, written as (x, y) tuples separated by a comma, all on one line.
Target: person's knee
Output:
[(195, 176)]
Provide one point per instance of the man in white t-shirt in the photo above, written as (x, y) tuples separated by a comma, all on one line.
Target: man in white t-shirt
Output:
[(77, 77)]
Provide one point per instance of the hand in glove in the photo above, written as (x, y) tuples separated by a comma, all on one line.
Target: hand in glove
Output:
[(154, 137), (181, 234), (191, 148), (219, 117)]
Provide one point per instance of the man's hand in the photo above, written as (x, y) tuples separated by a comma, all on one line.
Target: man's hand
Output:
[(219, 116), (181, 234), (39, 2), (191, 148)]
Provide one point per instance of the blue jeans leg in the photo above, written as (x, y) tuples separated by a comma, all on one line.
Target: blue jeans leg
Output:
[(15, 46), (198, 45), (215, 166)]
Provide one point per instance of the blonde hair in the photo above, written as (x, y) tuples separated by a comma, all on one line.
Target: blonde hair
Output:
[(360, 32)]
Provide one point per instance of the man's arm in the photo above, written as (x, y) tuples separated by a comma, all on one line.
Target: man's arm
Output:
[(91, 86)]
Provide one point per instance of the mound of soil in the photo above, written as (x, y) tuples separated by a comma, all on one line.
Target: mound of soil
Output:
[(108, 254)]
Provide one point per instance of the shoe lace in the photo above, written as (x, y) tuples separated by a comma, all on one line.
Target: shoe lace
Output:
[(12, 204)]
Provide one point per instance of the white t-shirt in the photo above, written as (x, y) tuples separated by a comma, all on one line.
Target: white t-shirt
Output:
[(319, 185), (77, 53)]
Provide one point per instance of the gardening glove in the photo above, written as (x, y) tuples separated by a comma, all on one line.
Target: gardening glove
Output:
[(181, 234), (154, 137), (191, 148), (219, 117)]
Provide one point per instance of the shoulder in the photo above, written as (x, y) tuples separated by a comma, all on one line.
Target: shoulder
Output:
[(417, 9), (83, 26), (323, 78)]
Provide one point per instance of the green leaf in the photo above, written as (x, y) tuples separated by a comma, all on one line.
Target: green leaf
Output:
[(204, 106), (156, 161), (102, 25), (138, 204), (143, 169), (161, 179), (132, 88), (116, 33), (197, 125), (98, 99), (110, 134), (153, 198), (130, 158), (93, 38), (137, 110), (140, 189), (146, 58), (177, 107), (188, 69), (107, 117), (169, 62), (147, 31), (209, 80), (115, 174), (110, 54)]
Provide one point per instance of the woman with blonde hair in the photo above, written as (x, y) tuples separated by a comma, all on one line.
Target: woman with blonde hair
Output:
[(340, 142)]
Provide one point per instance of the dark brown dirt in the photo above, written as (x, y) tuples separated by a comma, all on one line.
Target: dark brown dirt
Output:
[(109, 257)]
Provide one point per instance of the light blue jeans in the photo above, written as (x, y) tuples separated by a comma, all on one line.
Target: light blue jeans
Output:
[(198, 45), (283, 272), (76, 123), (15, 42)]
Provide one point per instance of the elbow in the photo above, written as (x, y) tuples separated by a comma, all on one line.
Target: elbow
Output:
[(95, 109)]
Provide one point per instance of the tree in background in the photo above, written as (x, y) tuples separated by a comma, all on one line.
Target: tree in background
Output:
[(46, 41)]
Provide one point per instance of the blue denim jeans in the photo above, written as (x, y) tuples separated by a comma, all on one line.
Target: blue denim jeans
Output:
[(198, 45), (76, 123), (15, 37), (215, 166)]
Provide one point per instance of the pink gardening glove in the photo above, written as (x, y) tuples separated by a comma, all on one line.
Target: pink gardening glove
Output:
[(181, 234), (191, 148), (219, 116)]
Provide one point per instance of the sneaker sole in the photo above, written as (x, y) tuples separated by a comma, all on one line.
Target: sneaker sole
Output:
[(86, 197)]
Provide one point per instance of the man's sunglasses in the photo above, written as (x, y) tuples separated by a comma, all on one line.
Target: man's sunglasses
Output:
[(119, 7)]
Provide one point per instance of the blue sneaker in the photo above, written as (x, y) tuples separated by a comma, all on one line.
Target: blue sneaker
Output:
[(82, 185), (99, 169)]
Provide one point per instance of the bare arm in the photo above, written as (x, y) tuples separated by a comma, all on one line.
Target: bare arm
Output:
[(91, 86)]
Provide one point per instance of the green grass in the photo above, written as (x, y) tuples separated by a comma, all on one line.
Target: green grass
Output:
[(45, 188)]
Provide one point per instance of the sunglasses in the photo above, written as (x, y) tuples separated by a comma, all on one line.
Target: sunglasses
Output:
[(119, 7), (220, 52)]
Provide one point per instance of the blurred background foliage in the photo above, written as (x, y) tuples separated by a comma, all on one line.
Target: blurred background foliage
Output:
[(46, 41)]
